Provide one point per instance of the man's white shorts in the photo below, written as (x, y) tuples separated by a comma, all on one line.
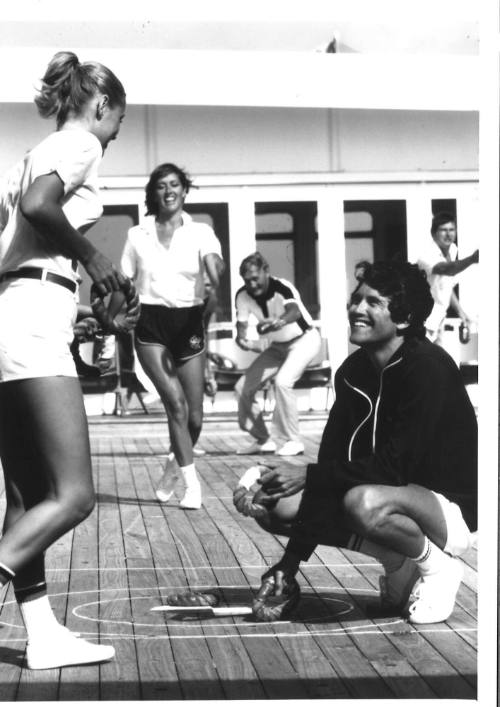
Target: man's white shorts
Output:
[(36, 330), (459, 537)]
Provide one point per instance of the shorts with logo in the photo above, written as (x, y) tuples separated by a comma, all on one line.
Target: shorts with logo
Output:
[(179, 329)]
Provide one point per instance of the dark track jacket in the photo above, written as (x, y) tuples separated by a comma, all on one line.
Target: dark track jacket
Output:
[(412, 422)]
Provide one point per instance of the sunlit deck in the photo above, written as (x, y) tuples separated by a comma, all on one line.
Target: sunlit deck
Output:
[(106, 575)]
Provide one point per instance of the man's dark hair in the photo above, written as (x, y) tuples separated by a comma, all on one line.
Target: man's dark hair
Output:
[(406, 287), (158, 173), (441, 218), (253, 260)]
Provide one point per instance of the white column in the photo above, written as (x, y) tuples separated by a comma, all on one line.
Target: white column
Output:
[(332, 275), (470, 229), (418, 220), (241, 236)]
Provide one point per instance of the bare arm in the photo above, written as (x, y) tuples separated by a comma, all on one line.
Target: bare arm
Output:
[(291, 314), (41, 207), (455, 304), (241, 337), (456, 266), (214, 265)]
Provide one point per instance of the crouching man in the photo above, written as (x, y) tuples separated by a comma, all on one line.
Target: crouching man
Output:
[(396, 476)]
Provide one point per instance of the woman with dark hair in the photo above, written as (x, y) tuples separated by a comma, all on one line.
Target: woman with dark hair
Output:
[(47, 202), (168, 255)]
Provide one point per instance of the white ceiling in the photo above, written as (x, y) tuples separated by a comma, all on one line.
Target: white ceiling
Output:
[(390, 53), (360, 36)]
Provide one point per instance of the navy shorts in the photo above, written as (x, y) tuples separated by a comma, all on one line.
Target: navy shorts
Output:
[(179, 329)]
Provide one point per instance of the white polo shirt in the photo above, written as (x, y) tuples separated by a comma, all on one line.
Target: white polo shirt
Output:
[(173, 276), (75, 156), (272, 305), (441, 285)]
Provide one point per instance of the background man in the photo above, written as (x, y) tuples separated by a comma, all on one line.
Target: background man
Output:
[(396, 476), (440, 261), (293, 344)]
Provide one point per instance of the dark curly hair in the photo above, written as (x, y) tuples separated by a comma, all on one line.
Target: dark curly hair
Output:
[(158, 173), (406, 287)]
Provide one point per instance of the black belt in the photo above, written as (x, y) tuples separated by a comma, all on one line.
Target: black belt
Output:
[(40, 274)]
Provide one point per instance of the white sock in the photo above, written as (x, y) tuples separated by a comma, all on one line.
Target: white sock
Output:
[(389, 559), (38, 617), (431, 559), (189, 475)]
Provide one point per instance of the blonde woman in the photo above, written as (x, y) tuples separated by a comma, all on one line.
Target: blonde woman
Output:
[(48, 200)]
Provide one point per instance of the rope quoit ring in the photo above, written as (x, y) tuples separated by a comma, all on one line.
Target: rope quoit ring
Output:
[(244, 498), (121, 323)]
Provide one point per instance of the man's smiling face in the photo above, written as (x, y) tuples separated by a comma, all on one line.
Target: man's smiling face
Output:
[(370, 319)]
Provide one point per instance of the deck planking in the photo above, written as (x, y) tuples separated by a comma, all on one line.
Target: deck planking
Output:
[(106, 575)]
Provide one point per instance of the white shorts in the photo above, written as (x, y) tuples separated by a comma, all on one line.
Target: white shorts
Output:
[(459, 537), (36, 330)]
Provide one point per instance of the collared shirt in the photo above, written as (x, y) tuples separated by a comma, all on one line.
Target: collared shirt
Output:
[(272, 305), (441, 285), (173, 276), (75, 156)]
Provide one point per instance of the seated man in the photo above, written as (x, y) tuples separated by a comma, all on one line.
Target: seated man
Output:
[(291, 343), (396, 476)]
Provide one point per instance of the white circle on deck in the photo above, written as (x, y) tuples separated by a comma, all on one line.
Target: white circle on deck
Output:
[(134, 610)]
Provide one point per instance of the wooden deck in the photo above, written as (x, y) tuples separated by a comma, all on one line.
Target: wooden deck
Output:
[(108, 573)]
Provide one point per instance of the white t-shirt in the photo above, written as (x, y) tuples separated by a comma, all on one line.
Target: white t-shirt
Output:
[(272, 306), (441, 285), (173, 276), (75, 156)]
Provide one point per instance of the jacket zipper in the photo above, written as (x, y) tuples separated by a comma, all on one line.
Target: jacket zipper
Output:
[(377, 402)]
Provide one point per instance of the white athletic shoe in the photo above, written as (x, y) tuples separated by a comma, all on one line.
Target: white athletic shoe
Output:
[(166, 487), (396, 587), (291, 449), (63, 649), (192, 497), (268, 447), (435, 594), (198, 452)]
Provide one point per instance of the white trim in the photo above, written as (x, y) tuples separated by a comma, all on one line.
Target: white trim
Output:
[(300, 179), (361, 392)]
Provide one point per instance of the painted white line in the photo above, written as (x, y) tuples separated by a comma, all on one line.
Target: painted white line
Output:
[(359, 631), (204, 567), (127, 530)]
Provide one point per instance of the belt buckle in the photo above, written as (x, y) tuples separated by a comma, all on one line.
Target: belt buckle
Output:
[(43, 278)]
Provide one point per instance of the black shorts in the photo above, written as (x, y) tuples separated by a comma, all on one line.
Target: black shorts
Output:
[(179, 329)]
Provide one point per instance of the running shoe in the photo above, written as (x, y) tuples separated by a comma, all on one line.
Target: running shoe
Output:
[(268, 447), (435, 594)]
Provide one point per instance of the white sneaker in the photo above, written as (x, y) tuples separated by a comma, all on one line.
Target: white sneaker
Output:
[(65, 649), (435, 594), (396, 587), (268, 447), (198, 452), (192, 497), (291, 448), (166, 487)]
